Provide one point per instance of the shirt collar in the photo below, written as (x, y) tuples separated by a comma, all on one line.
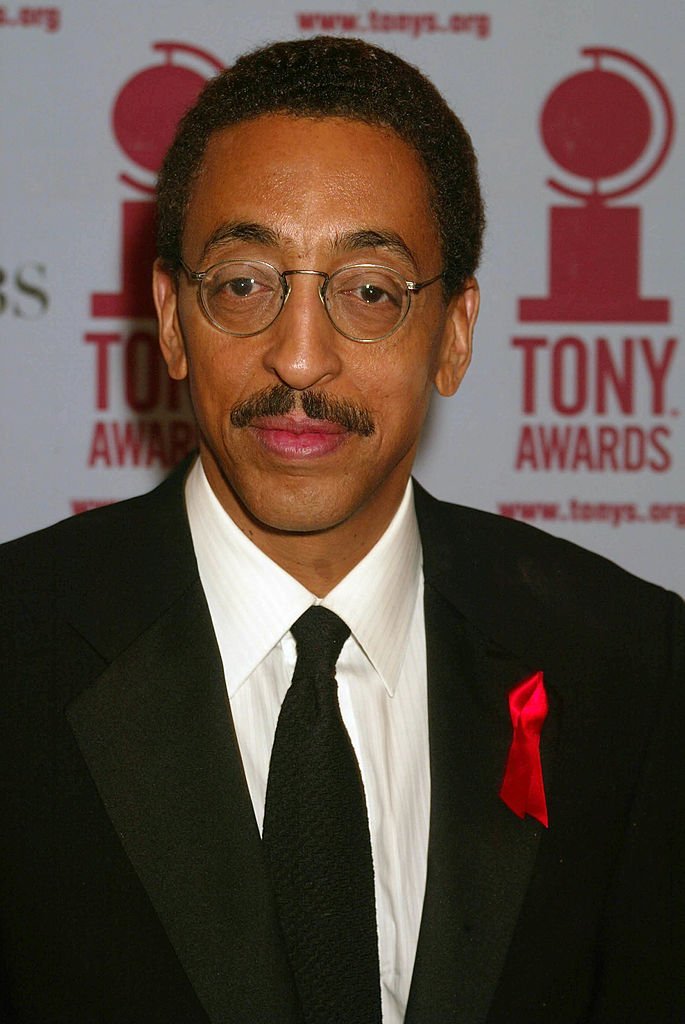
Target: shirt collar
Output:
[(253, 601), (378, 596)]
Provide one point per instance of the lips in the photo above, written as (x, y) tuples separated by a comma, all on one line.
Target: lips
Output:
[(298, 437)]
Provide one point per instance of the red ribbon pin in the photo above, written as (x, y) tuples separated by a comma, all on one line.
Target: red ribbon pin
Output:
[(523, 790)]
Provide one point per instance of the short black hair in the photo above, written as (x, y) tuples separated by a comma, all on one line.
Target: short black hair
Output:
[(326, 76)]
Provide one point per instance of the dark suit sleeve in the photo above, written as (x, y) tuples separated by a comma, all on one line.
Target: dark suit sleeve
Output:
[(643, 949)]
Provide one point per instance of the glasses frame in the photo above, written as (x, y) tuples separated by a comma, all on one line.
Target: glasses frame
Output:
[(411, 288)]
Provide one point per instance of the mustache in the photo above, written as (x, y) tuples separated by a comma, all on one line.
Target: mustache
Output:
[(280, 399)]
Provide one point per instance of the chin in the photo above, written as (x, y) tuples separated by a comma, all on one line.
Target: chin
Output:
[(305, 515)]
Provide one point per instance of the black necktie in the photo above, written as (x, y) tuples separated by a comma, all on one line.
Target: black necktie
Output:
[(316, 835)]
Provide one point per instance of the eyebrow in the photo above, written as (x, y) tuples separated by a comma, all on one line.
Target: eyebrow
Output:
[(239, 231), (352, 241), (372, 239)]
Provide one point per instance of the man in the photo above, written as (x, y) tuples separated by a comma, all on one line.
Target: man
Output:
[(319, 229)]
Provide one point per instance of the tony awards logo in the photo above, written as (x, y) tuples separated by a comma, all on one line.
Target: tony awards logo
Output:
[(612, 132), (598, 400), (157, 429), (144, 119)]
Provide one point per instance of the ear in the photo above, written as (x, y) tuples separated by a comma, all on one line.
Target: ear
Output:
[(456, 345), (165, 294)]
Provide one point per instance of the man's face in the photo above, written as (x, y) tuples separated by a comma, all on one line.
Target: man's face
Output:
[(310, 194)]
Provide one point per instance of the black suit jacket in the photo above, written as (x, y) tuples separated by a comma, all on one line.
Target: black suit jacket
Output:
[(133, 885)]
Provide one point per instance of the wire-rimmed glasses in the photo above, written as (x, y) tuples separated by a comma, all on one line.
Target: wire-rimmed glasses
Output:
[(365, 302)]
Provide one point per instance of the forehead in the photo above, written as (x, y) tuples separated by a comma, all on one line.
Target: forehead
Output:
[(311, 182)]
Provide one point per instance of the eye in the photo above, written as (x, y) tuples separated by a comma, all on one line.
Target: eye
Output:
[(368, 286), (241, 287), (237, 282), (372, 294), (238, 286)]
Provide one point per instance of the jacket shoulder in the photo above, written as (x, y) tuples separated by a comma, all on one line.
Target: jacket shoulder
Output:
[(529, 589), (118, 556)]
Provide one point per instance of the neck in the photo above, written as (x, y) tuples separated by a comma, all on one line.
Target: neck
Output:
[(318, 559), (313, 561)]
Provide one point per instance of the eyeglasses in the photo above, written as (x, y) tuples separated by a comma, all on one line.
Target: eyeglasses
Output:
[(363, 302)]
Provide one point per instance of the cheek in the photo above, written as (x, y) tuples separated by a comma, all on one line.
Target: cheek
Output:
[(207, 386), (218, 379), (399, 411), (399, 386)]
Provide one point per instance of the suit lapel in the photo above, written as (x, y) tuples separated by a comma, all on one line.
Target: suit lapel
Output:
[(156, 733), (480, 855)]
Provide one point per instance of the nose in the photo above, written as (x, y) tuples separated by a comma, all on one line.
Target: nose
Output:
[(304, 349)]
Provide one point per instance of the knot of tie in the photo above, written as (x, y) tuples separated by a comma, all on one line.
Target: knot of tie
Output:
[(320, 635)]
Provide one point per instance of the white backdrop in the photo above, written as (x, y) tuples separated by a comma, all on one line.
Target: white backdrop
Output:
[(570, 416)]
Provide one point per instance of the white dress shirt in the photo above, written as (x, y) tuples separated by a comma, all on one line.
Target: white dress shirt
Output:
[(381, 677)]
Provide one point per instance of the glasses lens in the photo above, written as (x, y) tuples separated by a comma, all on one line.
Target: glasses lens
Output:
[(367, 303), (242, 298)]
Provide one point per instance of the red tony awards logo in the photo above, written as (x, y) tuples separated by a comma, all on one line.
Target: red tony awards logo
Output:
[(599, 400), (598, 126), (144, 119), (128, 367)]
